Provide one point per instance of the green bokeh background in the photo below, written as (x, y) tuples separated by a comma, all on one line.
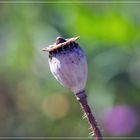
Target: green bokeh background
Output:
[(32, 102)]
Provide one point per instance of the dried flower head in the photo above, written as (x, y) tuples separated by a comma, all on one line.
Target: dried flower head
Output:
[(68, 63), (69, 66)]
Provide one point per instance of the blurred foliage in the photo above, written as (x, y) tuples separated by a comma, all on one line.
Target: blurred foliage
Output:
[(32, 103)]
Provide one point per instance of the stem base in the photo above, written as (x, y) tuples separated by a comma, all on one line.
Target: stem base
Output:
[(82, 98)]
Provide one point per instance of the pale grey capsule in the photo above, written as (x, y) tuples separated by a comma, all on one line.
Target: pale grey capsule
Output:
[(68, 63)]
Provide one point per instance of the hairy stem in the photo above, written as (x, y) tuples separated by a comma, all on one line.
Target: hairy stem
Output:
[(81, 97)]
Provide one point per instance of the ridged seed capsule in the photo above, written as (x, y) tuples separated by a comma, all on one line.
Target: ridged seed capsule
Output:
[(68, 63)]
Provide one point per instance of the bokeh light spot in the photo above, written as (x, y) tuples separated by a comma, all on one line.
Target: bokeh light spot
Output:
[(56, 106), (120, 120)]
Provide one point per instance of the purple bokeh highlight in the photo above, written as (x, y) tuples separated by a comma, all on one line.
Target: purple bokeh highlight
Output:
[(120, 120)]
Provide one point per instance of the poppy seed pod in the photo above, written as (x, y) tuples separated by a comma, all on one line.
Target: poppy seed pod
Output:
[(69, 66), (68, 63)]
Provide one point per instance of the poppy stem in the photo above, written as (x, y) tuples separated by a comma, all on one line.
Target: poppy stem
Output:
[(81, 97)]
